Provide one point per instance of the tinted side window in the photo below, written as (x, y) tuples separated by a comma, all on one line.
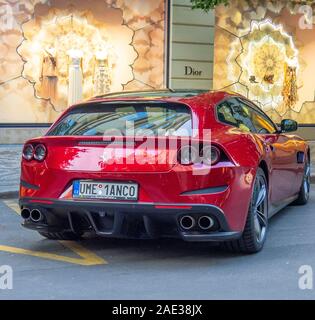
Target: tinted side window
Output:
[(237, 114), (225, 114), (262, 123), (243, 115)]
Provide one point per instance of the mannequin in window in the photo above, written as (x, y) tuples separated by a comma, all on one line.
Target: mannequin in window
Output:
[(102, 73), (290, 89), (49, 75), (75, 76)]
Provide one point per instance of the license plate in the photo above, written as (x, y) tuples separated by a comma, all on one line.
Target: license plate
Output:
[(105, 190)]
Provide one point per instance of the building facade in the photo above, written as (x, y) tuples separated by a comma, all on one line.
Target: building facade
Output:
[(55, 53)]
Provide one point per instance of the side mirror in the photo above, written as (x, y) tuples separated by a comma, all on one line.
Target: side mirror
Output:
[(288, 125)]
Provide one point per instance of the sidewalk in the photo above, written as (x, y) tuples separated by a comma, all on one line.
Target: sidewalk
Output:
[(10, 158)]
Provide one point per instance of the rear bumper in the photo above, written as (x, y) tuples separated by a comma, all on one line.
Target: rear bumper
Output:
[(127, 220)]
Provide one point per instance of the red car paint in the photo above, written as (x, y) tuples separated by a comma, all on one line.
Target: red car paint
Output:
[(164, 184)]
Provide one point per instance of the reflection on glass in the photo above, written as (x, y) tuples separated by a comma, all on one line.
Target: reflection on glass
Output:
[(115, 120)]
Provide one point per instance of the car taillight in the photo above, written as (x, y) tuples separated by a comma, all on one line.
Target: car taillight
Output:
[(211, 155), (188, 155), (40, 152), (28, 152)]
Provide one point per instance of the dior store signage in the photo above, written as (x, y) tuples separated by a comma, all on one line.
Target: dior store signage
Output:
[(190, 71)]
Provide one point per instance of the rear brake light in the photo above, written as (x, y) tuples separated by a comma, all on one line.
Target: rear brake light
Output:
[(211, 155), (188, 155), (28, 152), (37, 153), (40, 152)]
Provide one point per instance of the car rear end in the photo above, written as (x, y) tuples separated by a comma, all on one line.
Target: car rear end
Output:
[(125, 169)]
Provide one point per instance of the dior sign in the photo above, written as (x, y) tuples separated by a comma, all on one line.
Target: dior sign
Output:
[(190, 71)]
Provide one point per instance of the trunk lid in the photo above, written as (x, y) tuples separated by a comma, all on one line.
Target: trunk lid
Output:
[(94, 154)]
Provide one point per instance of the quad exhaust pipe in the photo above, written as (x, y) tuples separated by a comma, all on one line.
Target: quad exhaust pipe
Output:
[(34, 215), (187, 222), (26, 214), (204, 223)]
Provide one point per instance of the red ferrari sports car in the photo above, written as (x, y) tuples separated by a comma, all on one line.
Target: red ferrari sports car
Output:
[(200, 166)]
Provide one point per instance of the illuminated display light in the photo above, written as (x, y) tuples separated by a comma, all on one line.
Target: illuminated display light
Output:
[(58, 43), (262, 55)]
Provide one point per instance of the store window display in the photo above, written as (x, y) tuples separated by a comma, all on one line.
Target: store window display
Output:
[(75, 89), (263, 53), (102, 72), (38, 74), (49, 75)]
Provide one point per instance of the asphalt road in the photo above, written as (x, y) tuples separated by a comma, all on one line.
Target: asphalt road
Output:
[(120, 269)]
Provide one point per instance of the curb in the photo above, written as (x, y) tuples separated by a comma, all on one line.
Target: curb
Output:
[(9, 194)]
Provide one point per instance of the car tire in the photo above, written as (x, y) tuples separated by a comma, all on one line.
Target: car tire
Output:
[(304, 193), (67, 235), (255, 231)]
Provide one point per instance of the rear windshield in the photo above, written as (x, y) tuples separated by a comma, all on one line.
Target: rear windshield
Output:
[(157, 119)]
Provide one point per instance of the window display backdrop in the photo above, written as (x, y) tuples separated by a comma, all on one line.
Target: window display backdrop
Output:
[(57, 52), (262, 52)]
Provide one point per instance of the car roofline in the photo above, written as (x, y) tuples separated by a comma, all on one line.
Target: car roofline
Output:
[(134, 93), (153, 96)]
